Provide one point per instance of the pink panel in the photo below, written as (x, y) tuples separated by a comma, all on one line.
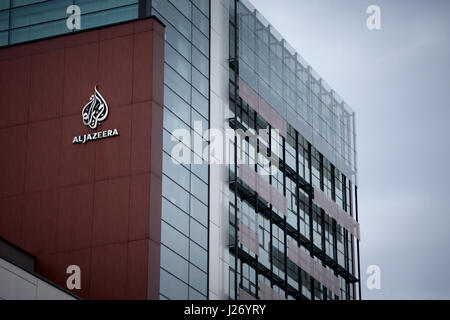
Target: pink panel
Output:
[(264, 189), (278, 200), (248, 238), (267, 293), (314, 268), (248, 95), (244, 295), (336, 212), (264, 109), (248, 175)]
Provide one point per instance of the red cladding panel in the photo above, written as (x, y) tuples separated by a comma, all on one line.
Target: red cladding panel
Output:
[(80, 76), (12, 161), (139, 218), (112, 156), (11, 209), (75, 214), (116, 70), (109, 272), (111, 204), (46, 94), (85, 204), (38, 232), (77, 165), (43, 155), (137, 269)]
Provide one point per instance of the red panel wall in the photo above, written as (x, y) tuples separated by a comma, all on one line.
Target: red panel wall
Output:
[(96, 205)]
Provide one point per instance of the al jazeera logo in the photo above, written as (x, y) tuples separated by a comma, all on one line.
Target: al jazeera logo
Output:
[(94, 114)]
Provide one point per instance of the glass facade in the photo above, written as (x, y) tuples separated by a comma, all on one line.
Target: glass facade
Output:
[(269, 65), (25, 20), (184, 233), (317, 151)]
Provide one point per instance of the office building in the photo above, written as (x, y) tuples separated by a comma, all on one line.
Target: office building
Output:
[(91, 95)]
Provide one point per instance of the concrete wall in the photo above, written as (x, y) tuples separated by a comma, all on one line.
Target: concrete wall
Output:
[(17, 284)]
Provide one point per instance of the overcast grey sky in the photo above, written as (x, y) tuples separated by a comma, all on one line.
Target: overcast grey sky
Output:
[(397, 80)]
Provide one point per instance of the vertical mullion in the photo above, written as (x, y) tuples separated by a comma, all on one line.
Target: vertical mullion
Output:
[(335, 250), (357, 244), (285, 220), (145, 8), (297, 196), (311, 219), (344, 235), (236, 97), (283, 57), (255, 124), (347, 288), (333, 197), (271, 211), (322, 216)]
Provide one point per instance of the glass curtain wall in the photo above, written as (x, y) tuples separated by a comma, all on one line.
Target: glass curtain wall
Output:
[(272, 68), (25, 20), (185, 202), (265, 62)]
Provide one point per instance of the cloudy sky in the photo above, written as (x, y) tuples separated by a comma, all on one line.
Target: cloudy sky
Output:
[(397, 80)]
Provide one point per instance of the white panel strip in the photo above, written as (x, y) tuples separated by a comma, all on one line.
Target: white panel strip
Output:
[(219, 186)]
